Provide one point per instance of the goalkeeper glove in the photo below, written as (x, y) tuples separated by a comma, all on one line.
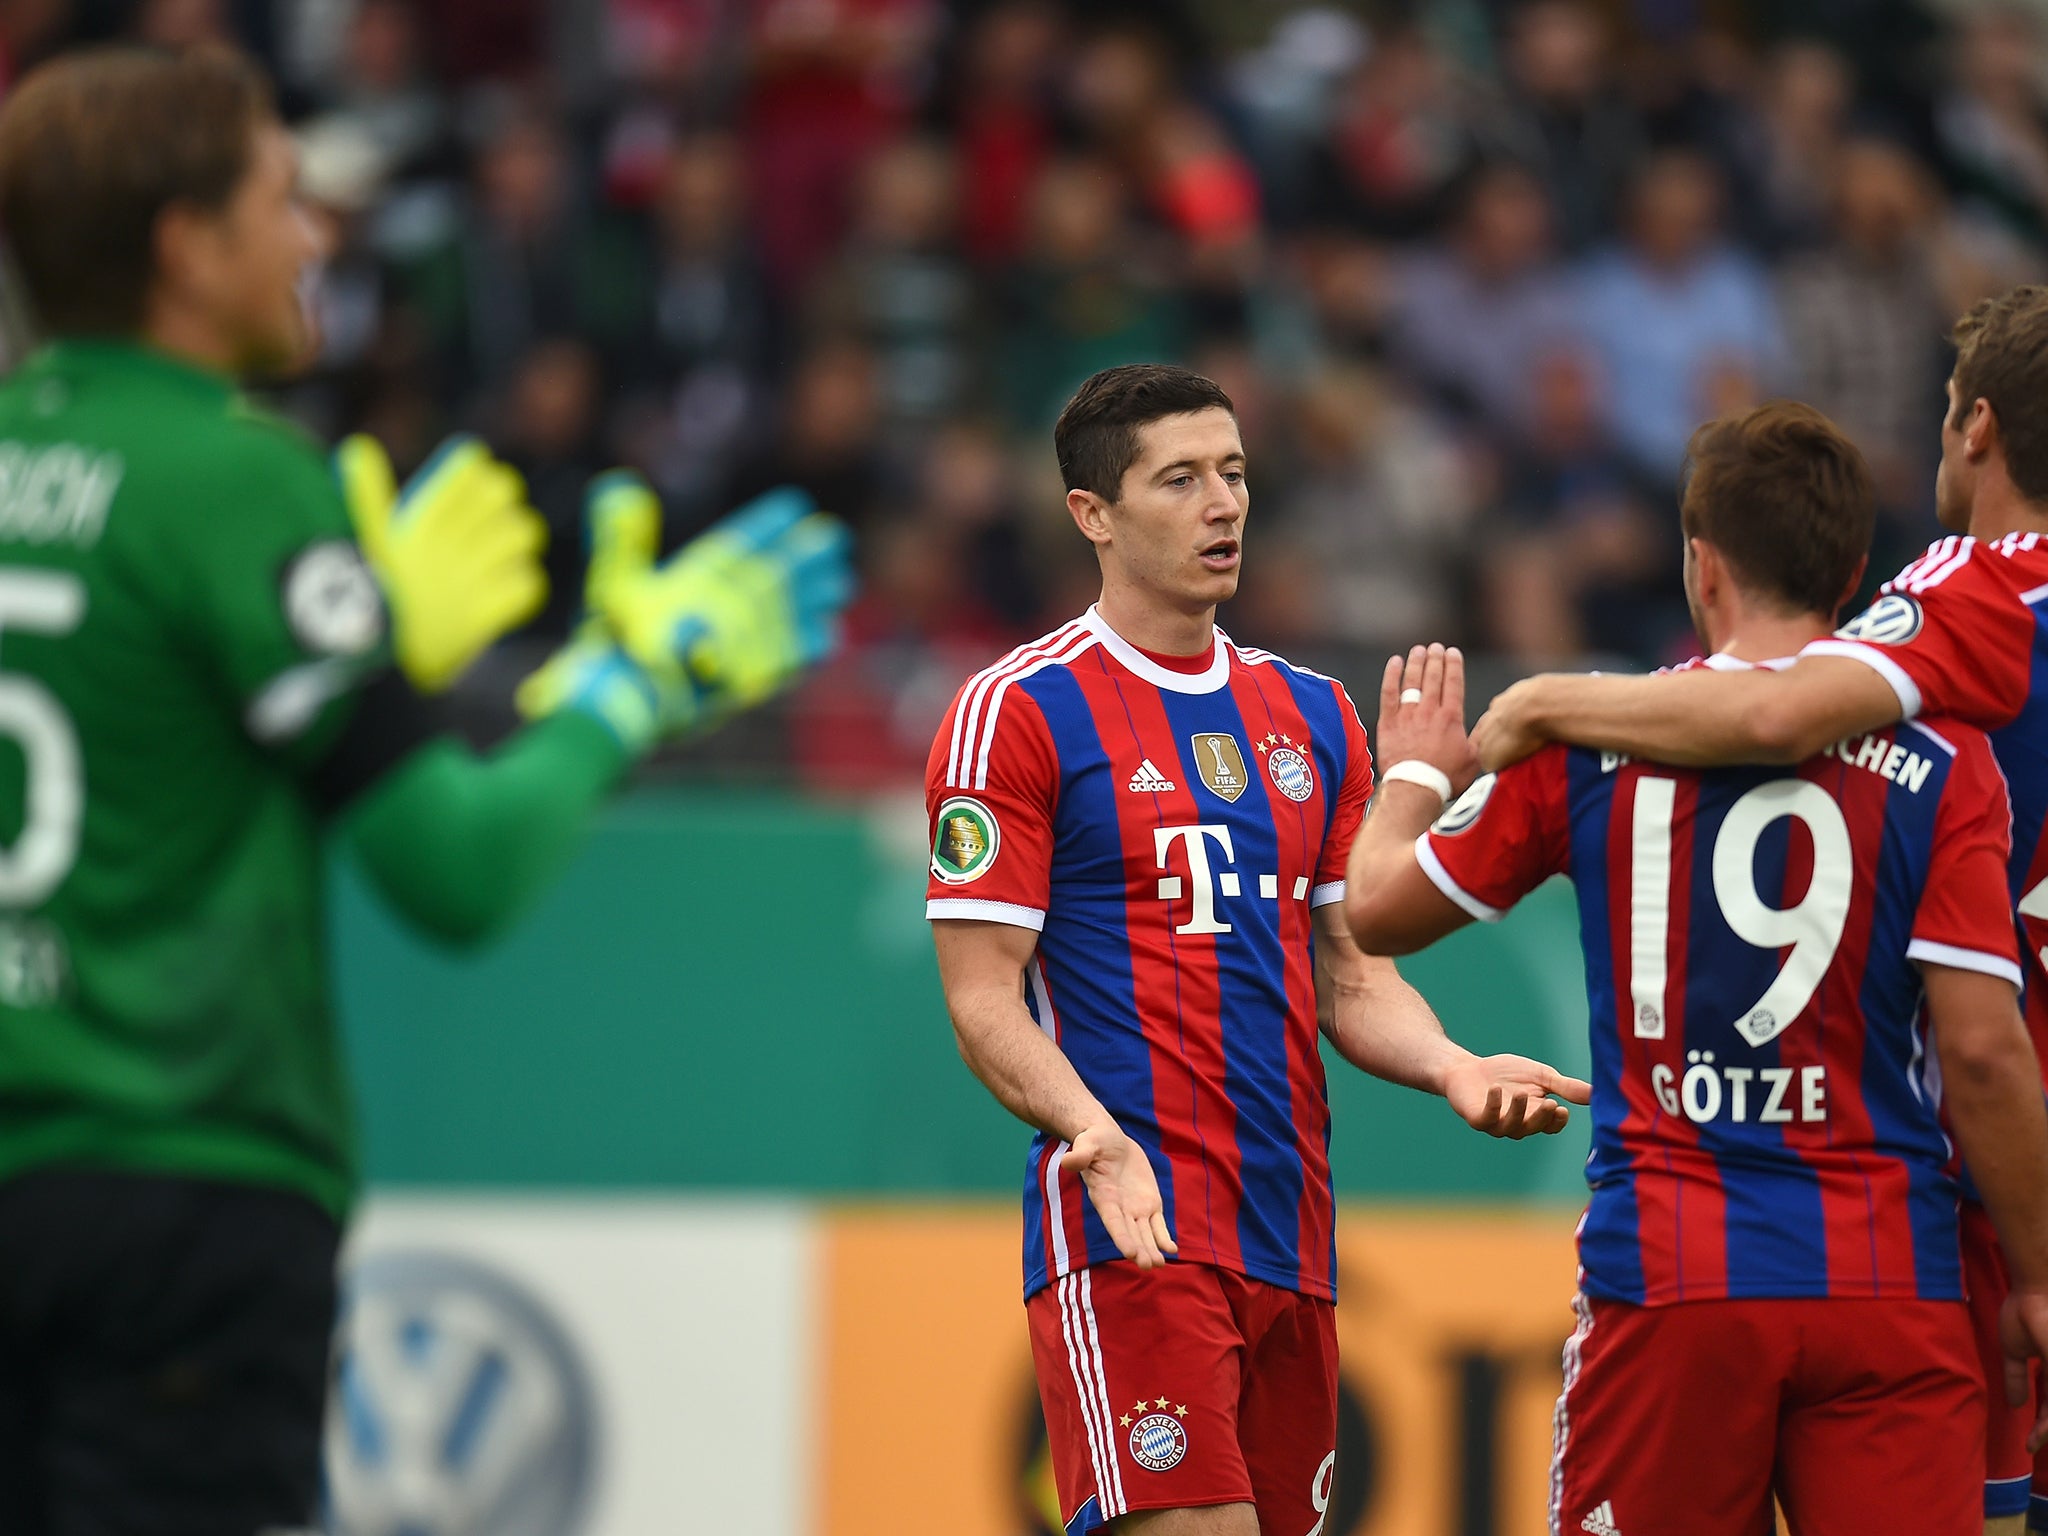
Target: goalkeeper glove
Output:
[(724, 624), (457, 551)]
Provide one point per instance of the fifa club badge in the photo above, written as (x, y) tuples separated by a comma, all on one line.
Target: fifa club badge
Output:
[(1290, 770), (965, 843), (1158, 1439), (1220, 763)]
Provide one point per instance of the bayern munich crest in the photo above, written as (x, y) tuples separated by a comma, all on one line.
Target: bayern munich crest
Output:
[(1290, 771), (1158, 1442)]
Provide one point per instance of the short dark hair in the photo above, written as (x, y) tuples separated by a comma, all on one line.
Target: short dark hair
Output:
[(94, 146), (1786, 498), (2002, 359), (1096, 436)]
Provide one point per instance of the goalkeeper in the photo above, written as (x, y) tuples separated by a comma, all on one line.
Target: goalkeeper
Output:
[(217, 655)]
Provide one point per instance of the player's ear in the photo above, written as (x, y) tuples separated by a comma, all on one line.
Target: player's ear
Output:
[(1091, 515), (1980, 428)]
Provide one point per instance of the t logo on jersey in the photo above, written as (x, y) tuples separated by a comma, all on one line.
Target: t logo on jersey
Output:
[(1219, 762), (1202, 882)]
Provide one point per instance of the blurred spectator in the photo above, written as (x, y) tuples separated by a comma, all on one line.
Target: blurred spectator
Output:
[(1991, 123), (902, 288), (1580, 555), (708, 352), (1866, 319), (1084, 297), (1787, 148), (1561, 112), (1397, 142), (1473, 314), (827, 441), (1382, 500), (525, 261), (1682, 325), (381, 90), (1003, 123), (547, 429), (829, 84)]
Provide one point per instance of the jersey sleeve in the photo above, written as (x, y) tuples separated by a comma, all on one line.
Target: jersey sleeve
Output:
[(1964, 919), (991, 815), (1352, 796), (268, 584), (1949, 633), (1502, 838)]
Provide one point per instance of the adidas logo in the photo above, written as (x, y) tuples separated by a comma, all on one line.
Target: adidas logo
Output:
[(1150, 781), (1601, 1521)]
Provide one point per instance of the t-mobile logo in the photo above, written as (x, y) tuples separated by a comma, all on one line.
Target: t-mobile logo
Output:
[(1202, 886)]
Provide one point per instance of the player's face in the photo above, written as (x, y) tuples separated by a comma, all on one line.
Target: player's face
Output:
[(263, 257), (1178, 527), (1955, 479)]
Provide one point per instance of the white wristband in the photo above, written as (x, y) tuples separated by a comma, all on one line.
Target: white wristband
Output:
[(1415, 771)]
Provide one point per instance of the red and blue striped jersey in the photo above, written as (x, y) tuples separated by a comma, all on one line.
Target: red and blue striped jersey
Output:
[(1963, 632), (1168, 834), (1766, 1106)]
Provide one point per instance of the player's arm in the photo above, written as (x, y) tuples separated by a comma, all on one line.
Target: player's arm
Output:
[(1700, 718), (1374, 1018), (981, 967), (1991, 1083), (1382, 1025)]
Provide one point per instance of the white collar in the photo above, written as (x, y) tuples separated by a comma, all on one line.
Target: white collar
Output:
[(1217, 675), (1721, 661)]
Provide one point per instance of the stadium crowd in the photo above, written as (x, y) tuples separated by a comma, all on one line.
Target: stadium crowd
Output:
[(1470, 271)]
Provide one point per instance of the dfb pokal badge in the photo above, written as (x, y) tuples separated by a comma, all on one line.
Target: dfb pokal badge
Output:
[(1220, 763), (1289, 769), (1158, 1439)]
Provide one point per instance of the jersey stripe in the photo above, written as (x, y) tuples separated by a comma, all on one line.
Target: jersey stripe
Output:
[(994, 706), (1942, 570), (967, 718)]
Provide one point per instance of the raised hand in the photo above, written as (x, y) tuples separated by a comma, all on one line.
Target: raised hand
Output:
[(1120, 1182), (1422, 714), (1509, 1096), (457, 551)]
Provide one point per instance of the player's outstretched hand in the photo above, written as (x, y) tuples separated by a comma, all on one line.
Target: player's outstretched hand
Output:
[(2023, 1331), (1507, 732), (457, 551), (1120, 1182), (725, 623), (1509, 1096), (1422, 713)]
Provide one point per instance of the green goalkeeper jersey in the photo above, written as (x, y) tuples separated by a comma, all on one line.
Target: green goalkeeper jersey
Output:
[(184, 621)]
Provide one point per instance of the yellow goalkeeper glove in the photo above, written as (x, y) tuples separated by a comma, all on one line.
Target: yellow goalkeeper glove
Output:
[(457, 551), (724, 624)]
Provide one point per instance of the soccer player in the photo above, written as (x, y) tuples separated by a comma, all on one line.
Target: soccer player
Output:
[(1771, 1293), (1962, 632), (1139, 832), (202, 687)]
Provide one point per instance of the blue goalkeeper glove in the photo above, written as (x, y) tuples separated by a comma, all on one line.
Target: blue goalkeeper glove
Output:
[(726, 623)]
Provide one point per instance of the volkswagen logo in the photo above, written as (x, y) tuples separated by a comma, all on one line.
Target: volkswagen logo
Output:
[(459, 1407)]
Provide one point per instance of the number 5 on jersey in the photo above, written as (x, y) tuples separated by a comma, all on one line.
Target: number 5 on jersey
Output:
[(40, 603)]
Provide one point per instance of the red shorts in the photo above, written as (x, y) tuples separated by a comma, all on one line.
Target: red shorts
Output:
[(1682, 1420), (1186, 1386), (2010, 1474)]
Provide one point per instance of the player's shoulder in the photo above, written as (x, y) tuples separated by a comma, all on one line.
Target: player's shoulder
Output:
[(1252, 658), (1058, 647), (1960, 564)]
